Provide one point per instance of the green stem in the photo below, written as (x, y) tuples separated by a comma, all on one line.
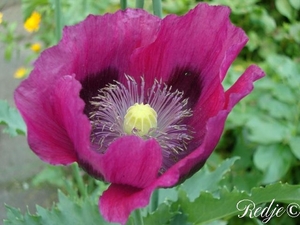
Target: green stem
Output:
[(58, 20), (123, 4), (137, 217), (139, 4), (79, 180), (157, 10), (154, 200)]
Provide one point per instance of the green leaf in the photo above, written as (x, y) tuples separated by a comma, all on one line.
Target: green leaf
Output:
[(284, 93), (275, 108), (8, 51), (180, 219), (15, 217), (295, 31), (168, 194), (204, 180), (217, 222), (295, 4), (261, 17), (208, 208), (266, 131), (286, 68), (294, 145), (11, 118), (67, 211), (49, 175), (284, 7), (274, 160), (162, 215)]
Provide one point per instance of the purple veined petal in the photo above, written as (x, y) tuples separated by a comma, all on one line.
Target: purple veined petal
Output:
[(97, 50), (192, 53), (130, 164), (54, 118), (118, 201), (188, 54), (130, 160), (209, 104), (215, 125), (193, 47), (102, 45), (243, 86)]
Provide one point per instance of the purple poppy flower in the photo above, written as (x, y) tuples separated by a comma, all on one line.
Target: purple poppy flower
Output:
[(135, 100)]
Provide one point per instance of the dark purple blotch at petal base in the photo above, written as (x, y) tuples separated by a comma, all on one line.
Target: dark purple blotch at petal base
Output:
[(189, 53), (92, 83), (187, 80)]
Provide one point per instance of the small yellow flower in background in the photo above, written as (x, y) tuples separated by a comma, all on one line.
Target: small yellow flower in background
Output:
[(36, 47), (20, 73), (33, 22), (1, 17)]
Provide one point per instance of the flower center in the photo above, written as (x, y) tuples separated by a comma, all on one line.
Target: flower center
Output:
[(140, 119), (157, 112)]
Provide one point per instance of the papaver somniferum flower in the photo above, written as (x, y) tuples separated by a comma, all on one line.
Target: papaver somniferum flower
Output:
[(135, 100)]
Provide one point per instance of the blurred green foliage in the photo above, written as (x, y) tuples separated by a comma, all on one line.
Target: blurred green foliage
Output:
[(11, 118), (263, 130)]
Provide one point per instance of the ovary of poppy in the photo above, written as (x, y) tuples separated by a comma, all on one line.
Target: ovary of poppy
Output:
[(77, 97)]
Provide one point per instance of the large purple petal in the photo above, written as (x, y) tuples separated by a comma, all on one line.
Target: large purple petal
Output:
[(192, 53), (195, 44), (97, 50), (215, 125), (131, 160), (101, 47), (130, 164), (54, 118), (242, 85), (118, 201), (99, 43)]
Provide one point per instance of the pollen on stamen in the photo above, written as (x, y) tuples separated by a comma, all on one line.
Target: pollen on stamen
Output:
[(157, 113)]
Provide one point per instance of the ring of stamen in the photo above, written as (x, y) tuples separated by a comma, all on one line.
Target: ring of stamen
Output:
[(156, 113)]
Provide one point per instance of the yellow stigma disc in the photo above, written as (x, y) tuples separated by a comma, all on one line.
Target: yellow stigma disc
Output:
[(140, 118)]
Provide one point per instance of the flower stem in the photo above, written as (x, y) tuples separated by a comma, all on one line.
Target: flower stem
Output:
[(154, 200), (58, 24), (157, 10), (79, 180), (123, 4), (137, 217), (139, 4)]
